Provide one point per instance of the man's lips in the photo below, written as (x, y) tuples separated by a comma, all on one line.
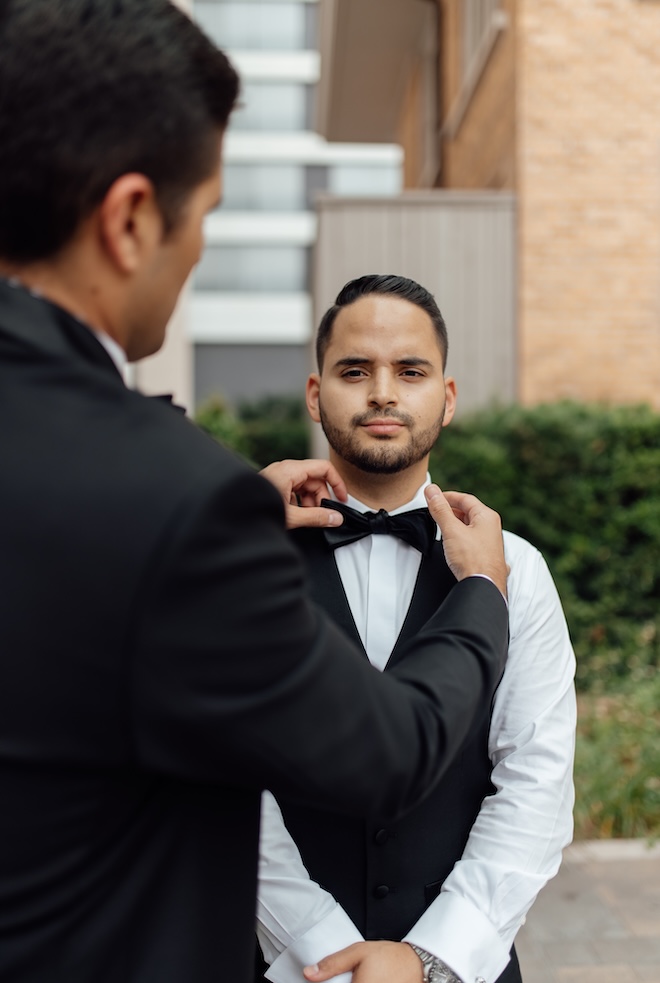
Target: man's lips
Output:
[(383, 428)]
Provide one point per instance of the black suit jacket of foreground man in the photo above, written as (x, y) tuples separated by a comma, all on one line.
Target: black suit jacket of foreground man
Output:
[(159, 666)]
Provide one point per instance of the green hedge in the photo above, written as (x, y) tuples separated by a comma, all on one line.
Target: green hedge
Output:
[(617, 763), (270, 429), (581, 482)]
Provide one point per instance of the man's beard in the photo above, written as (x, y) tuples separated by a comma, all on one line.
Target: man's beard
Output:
[(382, 457)]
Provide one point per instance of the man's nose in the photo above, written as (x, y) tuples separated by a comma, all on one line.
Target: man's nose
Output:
[(383, 389)]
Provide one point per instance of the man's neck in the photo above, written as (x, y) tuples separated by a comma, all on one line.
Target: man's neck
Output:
[(71, 280), (382, 491), (44, 280)]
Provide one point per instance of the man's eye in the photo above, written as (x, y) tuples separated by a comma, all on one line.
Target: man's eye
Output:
[(412, 372), (353, 373)]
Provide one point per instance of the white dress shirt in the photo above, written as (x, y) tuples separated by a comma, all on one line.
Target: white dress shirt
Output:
[(516, 841), (114, 350)]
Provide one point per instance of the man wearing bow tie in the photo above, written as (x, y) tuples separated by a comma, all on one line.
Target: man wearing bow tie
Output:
[(440, 894)]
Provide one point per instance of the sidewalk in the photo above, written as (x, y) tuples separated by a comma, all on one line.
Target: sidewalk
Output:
[(598, 921)]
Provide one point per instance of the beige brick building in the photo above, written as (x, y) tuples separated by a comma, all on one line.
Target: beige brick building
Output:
[(559, 102)]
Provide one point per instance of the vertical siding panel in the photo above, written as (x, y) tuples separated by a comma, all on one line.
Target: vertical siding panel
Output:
[(461, 246)]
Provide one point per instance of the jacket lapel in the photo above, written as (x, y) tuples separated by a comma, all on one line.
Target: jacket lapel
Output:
[(324, 582), (434, 581)]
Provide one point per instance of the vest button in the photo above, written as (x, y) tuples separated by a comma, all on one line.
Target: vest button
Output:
[(382, 836), (381, 891)]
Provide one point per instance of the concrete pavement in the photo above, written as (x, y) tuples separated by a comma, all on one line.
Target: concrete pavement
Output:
[(598, 921)]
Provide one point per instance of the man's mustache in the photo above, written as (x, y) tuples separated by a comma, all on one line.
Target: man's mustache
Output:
[(363, 419)]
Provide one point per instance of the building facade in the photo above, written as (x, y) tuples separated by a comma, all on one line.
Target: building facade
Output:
[(249, 317), (244, 324), (555, 101)]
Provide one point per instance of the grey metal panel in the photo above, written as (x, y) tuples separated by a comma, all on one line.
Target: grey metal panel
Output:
[(461, 247), (243, 373)]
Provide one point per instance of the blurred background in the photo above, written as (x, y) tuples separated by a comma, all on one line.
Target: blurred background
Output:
[(505, 154)]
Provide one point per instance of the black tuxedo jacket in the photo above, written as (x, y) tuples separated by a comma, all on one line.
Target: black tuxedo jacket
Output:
[(160, 665), (384, 873)]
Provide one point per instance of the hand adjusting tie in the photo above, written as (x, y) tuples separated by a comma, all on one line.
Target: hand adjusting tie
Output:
[(417, 527)]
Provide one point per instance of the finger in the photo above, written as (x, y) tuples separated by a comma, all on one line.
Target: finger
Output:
[(343, 961), (470, 505), (315, 518), (331, 477), (313, 492), (290, 475), (339, 488), (438, 505)]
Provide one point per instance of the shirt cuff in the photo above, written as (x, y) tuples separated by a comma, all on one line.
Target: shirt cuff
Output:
[(332, 933), (461, 936)]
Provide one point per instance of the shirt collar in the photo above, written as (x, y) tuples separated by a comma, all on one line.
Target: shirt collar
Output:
[(115, 351)]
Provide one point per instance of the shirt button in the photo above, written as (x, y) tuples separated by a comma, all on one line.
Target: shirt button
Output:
[(479, 979), (382, 836), (381, 891)]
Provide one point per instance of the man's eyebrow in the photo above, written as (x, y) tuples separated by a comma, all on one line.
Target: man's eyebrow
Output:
[(359, 360), (414, 360), (352, 360)]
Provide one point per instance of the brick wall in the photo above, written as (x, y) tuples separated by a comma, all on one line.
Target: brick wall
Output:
[(588, 183)]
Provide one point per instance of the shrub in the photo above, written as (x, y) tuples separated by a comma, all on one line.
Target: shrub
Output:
[(217, 419), (275, 428), (582, 483), (617, 763), (270, 429)]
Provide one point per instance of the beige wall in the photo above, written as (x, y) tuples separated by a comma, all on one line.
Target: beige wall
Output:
[(588, 166), (478, 149), (461, 247), (411, 135)]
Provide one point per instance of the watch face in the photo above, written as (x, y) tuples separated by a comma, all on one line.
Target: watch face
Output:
[(441, 974)]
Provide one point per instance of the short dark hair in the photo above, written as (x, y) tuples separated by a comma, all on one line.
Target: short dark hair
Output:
[(397, 286), (91, 90)]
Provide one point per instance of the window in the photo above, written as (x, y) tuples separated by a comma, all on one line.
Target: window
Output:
[(269, 269), (268, 187), (253, 26), (276, 106)]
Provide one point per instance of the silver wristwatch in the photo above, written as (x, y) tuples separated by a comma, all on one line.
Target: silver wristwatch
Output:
[(435, 971)]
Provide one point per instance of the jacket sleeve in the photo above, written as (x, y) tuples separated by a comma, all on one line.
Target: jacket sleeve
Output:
[(235, 676)]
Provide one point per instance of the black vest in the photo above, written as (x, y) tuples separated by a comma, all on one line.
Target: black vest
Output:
[(385, 875)]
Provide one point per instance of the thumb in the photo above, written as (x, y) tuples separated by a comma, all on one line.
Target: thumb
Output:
[(343, 961), (439, 507), (298, 517)]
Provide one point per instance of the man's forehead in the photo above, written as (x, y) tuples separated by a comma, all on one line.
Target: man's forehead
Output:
[(383, 327)]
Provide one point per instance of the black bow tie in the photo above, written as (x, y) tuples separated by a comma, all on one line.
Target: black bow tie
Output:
[(417, 527)]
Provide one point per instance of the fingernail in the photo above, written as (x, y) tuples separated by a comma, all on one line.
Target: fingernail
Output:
[(312, 970), (432, 491), (335, 518)]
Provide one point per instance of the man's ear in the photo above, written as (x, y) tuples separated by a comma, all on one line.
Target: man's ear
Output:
[(312, 396), (131, 224), (450, 400)]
